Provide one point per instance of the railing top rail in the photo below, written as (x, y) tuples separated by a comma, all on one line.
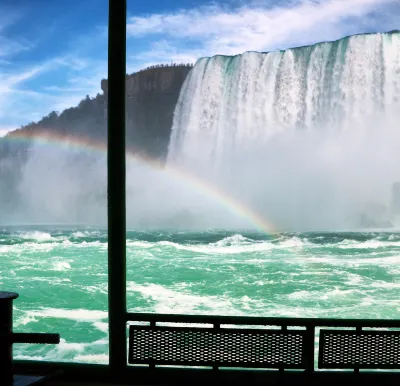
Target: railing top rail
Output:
[(254, 320)]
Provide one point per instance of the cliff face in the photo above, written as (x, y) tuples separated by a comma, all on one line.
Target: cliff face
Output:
[(151, 97)]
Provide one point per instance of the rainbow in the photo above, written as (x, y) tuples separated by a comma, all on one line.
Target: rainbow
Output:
[(209, 190)]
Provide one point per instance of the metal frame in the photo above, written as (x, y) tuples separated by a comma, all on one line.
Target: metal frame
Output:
[(359, 349), (151, 373), (116, 183), (218, 347), (372, 327), (118, 371)]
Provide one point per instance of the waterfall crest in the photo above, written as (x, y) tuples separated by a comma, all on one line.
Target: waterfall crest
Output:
[(290, 131)]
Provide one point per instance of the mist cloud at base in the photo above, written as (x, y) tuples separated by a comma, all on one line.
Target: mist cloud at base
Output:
[(297, 180)]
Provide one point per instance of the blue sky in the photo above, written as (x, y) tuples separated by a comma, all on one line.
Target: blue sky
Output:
[(53, 53)]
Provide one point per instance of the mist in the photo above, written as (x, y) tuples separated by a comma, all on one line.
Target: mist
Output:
[(305, 138), (318, 179), (325, 179), (60, 185)]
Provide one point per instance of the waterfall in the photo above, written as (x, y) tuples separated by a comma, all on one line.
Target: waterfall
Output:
[(306, 121)]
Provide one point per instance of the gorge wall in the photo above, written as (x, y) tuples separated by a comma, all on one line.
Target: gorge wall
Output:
[(151, 97)]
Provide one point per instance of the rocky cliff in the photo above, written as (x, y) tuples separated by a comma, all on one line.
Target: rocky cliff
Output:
[(151, 96)]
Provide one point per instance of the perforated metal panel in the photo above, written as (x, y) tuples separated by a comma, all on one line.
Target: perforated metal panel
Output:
[(217, 347), (342, 349)]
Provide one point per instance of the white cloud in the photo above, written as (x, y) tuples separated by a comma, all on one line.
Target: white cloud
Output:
[(160, 49), (20, 105), (11, 95), (217, 30), (64, 89), (75, 73), (14, 100), (10, 46), (11, 79), (5, 130)]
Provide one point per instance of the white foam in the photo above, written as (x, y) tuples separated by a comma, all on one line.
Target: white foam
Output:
[(79, 315), (78, 234), (369, 244), (66, 346), (81, 234), (36, 235), (28, 248), (70, 351), (384, 284), (61, 266), (354, 279), (222, 247), (354, 261), (168, 300), (85, 244), (140, 244), (293, 242), (101, 326), (100, 342), (94, 289), (91, 358), (322, 294), (24, 320), (235, 244), (233, 240), (29, 357)]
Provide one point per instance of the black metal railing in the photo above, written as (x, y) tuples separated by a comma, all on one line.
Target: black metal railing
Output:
[(250, 342), (8, 337), (178, 349)]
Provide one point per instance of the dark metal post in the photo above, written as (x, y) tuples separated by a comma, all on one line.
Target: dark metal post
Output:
[(310, 348), (116, 185), (6, 311)]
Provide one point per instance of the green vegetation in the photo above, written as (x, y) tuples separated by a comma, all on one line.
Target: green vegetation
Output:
[(86, 119)]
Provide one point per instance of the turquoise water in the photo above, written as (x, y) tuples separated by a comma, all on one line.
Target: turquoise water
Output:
[(61, 276)]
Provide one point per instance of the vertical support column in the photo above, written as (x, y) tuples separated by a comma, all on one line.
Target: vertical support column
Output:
[(6, 311), (310, 348), (116, 175)]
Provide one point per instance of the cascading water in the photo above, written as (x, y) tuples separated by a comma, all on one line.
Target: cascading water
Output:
[(305, 139), (307, 136)]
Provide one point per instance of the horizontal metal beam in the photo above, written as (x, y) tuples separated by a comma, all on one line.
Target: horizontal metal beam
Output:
[(266, 321), (99, 374)]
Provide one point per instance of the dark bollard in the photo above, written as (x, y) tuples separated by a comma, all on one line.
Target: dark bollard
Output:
[(6, 311), (8, 337)]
